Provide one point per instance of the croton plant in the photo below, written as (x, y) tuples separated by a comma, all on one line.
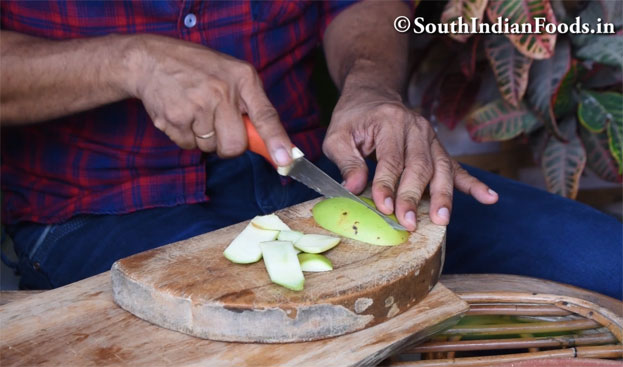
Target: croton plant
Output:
[(559, 92)]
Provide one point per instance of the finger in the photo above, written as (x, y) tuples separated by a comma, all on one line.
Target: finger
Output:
[(341, 149), (231, 136), (183, 137), (184, 140), (417, 174), (266, 120), (390, 152), (204, 124), (441, 185), (472, 186)]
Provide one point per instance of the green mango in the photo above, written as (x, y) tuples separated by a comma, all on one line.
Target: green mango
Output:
[(354, 220)]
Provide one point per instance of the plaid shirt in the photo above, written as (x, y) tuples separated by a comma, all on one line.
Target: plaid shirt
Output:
[(112, 159)]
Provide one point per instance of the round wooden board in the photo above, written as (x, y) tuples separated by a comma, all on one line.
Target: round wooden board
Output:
[(190, 287)]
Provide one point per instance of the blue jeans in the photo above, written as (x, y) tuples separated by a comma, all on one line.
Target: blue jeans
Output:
[(528, 232)]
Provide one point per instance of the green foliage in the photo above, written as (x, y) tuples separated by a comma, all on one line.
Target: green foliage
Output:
[(563, 162), (598, 156), (500, 121), (568, 84), (463, 8), (546, 77), (510, 67), (607, 50), (597, 110), (536, 46), (615, 135)]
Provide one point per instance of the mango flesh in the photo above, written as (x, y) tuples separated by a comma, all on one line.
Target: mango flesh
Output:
[(351, 219)]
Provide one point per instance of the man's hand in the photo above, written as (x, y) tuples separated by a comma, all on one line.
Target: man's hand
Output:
[(367, 59), (190, 91), (409, 156)]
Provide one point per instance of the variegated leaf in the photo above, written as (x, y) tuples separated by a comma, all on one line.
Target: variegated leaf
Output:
[(562, 163), (456, 96), (545, 79), (615, 137), (467, 9), (596, 109), (563, 101), (598, 157), (468, 56), (604, 49), (534, 45), (500, 121), (510, 67)]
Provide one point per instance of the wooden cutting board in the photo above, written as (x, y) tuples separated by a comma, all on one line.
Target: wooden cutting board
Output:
[(79, 325), (190, 287)]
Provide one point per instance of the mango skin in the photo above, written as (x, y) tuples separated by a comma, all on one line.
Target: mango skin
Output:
[(351, 219)]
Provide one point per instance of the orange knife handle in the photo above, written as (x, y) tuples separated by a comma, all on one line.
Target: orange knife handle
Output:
[(256, 144)]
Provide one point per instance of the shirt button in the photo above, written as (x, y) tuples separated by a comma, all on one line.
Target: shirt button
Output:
[(190, 20)]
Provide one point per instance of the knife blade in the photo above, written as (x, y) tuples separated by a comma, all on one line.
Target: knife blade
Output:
[(309, 174)]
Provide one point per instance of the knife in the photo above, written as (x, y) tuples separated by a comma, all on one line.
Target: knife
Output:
[(307, 173)]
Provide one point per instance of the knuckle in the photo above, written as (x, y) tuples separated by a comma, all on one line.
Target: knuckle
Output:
[(266, 113), (219, 88), (393, 164), (421, 169), (444, 164), (393, 111), (385, 182), (444, 193), (160, 124), (246, 71), (411, 196), (177, 116), (349, 165)]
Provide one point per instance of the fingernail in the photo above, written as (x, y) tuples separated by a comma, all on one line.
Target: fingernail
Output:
[(282, 157), (410, 218), (443, 213), (389, 204), (492, 193)]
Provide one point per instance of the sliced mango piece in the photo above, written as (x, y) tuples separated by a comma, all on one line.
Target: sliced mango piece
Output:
[(245, 248), (354, 220), (282, 264), (315, 262), (291, 236), (316, 243), (271, 222)]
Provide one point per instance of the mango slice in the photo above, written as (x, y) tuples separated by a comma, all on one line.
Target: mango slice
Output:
[(315, 263), (316, 243), (245, 248), (282, 264), (351, 219)]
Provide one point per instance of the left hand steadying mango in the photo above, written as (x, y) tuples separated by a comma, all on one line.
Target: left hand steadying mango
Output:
[(410, 157)]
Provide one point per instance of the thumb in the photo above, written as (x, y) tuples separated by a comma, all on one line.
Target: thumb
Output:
[(341, 149)]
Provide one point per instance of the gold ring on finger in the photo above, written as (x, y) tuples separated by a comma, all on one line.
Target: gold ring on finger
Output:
[(206, 136)]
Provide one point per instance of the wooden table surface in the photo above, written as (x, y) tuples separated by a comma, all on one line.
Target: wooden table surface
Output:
[(80, 325)]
